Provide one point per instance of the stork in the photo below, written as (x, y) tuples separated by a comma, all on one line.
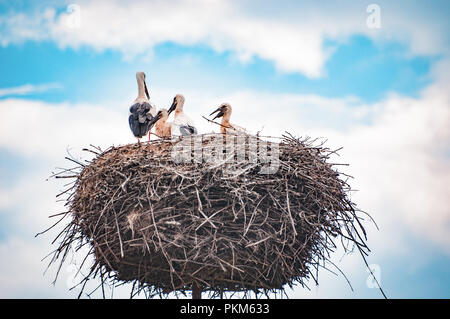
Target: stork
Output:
[(226, 127), (141, 112), (162, 127), (182, 124)]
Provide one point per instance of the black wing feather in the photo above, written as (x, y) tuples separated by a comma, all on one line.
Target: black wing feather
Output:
[(187, 130), (139, 119)]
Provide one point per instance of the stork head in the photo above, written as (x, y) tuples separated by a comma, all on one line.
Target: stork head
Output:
[(161, 115), (223, 110), (177, 104), (140, 77)]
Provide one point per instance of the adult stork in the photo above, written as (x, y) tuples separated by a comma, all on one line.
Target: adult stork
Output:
[(141, 112), (224, 111), (182, 124)]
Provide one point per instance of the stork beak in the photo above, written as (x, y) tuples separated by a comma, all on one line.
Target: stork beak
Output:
[(220, 114), (146, 91), (173, 106)]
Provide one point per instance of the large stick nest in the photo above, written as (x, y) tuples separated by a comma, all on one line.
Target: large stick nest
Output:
[(219, 224)]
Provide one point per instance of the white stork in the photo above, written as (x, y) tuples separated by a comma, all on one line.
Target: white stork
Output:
[(226, 127), (141, 112), (182, 124), (162, 127)]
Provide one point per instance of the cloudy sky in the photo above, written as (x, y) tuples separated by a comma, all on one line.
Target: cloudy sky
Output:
[(373, 77)]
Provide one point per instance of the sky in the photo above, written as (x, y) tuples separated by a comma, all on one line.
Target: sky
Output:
[(370, 76)]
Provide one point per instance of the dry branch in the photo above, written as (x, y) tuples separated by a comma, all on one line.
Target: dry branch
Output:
[(221, 227)]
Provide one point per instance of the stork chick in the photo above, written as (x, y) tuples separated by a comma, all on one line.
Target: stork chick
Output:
[(224, 111), (182, 124), (141, 112), (162, 127)]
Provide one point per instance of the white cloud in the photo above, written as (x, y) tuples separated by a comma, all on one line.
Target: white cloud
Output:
[(28, 89), (21, 273), (400, 169), (39, 129), (24, 274), (290, 35)]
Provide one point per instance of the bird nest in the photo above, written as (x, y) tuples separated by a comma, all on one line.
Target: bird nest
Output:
[(223, 214)]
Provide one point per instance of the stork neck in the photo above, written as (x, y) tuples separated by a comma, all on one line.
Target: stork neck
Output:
[(226, 121), (160, 125), (226, 117), (141, 89)]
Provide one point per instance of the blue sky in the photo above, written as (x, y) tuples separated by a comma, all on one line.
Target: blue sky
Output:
[(309, 68), (357, 68)]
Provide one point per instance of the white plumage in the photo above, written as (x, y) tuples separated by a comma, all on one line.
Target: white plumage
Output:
[(182, 124)]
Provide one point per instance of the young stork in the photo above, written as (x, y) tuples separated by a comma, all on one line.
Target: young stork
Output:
[(141, 112), (162, 127), (226, 127), (182, 124)]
